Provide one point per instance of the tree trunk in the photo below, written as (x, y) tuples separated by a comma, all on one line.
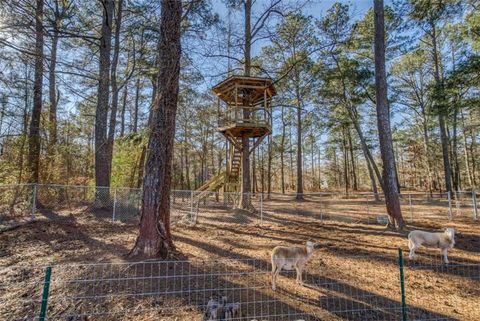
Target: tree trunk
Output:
[(155, 238), (473, 158), (245, 182), (312, 161), (290, 146), (122, 112), (52, 86), (299, 195), (269, 167), (135, 111), (354, 117), (456, 163), (25, 129), (21, 152), (245, 202), (187, 163), (390, 185), (115, 90), (426, 150), (254, 172), (319, 170), (346, 180), (352, 160), (454, 149), (141, 167), (441, 116), (34, 130), (282, 152), (365, 148), (372, 180), (465, 149), (262, 172), (336, 169), (102, 163)]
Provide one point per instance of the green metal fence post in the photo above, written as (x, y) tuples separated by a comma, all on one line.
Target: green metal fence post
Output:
[(46, 288), (402, 284)]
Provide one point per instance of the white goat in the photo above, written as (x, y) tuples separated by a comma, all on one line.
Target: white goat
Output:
[(443, 240), (289, 258)]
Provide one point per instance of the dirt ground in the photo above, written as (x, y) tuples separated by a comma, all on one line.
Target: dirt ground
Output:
[(353, 274)]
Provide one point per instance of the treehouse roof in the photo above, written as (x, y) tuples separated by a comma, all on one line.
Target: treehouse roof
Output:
[(256, 87)]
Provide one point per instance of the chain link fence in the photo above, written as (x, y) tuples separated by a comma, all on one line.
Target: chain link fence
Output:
[(370, 208), (21, 203), (16, 204)]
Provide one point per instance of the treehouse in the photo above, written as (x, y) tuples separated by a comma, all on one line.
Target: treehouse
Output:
[(246, 107), (244, 112)]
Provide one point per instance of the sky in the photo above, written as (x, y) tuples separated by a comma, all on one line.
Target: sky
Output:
[(316, 8)]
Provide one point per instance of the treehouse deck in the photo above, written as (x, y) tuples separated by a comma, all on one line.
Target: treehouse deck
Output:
[(242, 129)]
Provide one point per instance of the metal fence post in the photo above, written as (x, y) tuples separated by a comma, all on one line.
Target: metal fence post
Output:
[(410, 206), (191, 203), (475, 208), (46, 289), (402, 284), (114, 203), (368, 210), (450, 214), (34, 201), (261, 207), (457, 204)]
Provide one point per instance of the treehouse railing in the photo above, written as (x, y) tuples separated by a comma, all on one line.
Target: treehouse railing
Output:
[(245, 116)]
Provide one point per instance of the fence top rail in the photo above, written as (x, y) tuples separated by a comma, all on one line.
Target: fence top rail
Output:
[(15, 185), (86, 186)]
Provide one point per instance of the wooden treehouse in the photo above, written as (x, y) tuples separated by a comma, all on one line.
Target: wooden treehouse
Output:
[(244, 111)]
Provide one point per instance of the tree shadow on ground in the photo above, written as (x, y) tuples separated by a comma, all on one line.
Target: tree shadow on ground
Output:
[(467, 242), (347, 301), (171, 288), (460, 267), (283, 215), (235, 216), (72, 231)]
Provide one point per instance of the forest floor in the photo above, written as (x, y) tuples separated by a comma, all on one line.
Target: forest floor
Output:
[(353, 274)]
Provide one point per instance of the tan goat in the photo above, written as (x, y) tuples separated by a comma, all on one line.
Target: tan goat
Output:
[(290, 258)]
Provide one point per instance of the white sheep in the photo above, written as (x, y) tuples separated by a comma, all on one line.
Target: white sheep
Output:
[(289, 258), (443, 240)]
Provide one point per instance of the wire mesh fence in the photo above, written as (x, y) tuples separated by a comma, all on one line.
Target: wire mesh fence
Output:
[(453, 288), (334, 288), (186, 290), (19, 203)]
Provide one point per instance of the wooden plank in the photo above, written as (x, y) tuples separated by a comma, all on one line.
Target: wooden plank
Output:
[(255, 145)]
